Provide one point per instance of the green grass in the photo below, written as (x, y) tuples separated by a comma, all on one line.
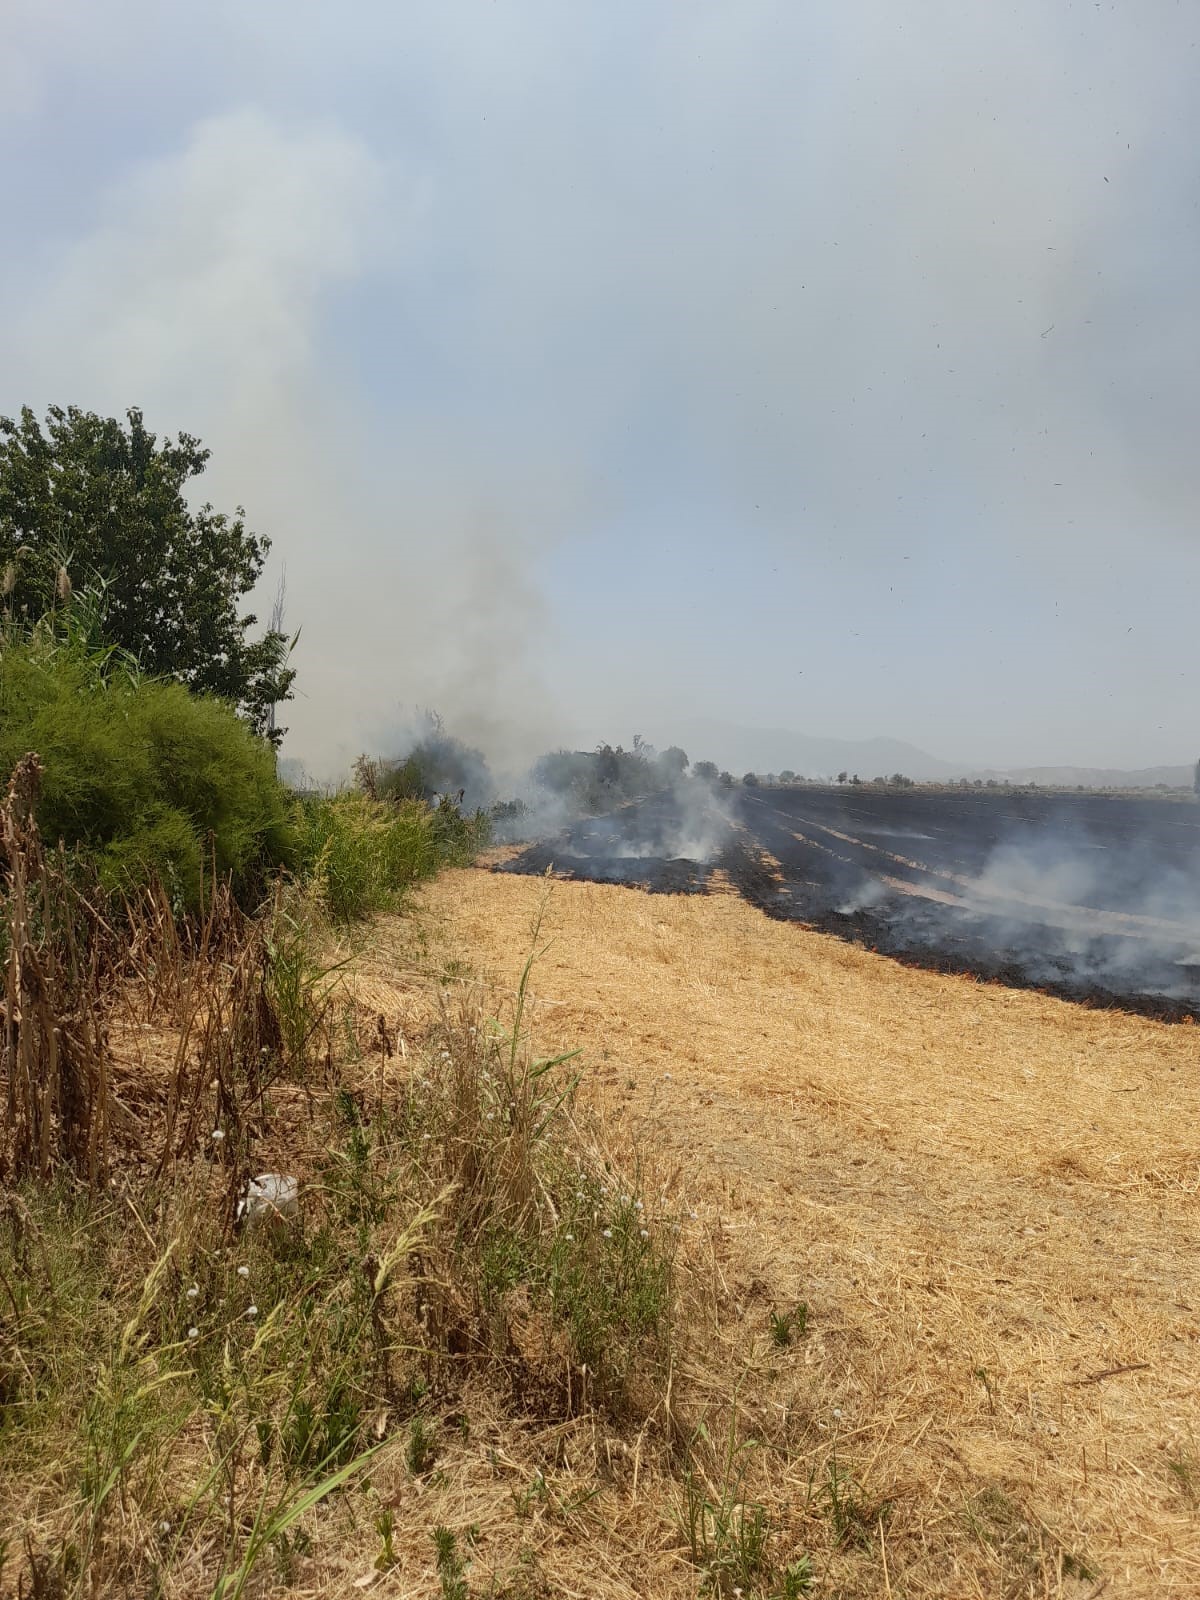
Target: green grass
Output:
[(450, 1565), (787, 1325)]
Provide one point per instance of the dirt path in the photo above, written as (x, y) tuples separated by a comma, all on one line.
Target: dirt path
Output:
[(989, 1200)]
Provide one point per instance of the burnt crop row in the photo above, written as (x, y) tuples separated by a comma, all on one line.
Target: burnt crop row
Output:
[(1090, 897)]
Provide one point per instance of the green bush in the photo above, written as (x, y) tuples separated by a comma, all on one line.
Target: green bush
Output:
[(361, 854), (145, 778)]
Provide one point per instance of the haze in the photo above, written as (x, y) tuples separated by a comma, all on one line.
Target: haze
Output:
[(595, 367)]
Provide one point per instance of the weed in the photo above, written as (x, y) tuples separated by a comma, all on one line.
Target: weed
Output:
[(796, 1579), (1185, 1471), (726, 1532), (450, 1565), (986, 1381), (361, 853), (786, 1325), (1026, 1549), (422, 1447), (287, 1550), (296, 985), (536, 1492), (385, 1527), (1077, 1566), (853, 1520)]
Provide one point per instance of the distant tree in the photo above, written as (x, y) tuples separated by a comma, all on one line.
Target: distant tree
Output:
[(750, 780), (91, 502), (842, 777), (608, 763), (726, 780), (856, 779), (560, 771), (673, 761), (706, 770), (787, 776), (437, 764), (1196, 779)]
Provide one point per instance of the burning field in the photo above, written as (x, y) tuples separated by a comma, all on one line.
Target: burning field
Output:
[(1089, 896)]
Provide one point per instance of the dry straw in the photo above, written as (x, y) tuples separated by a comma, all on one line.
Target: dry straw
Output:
[(987, 1199)]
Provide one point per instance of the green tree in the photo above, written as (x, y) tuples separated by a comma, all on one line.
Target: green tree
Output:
[(87, 501), (706, 770)]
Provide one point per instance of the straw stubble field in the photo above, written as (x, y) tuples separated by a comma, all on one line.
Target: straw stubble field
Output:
[(988, 1201)]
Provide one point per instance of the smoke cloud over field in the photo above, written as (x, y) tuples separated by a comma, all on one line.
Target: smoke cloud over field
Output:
[(1090, 895), (1123, 918), (859, 340), (1060, 905)]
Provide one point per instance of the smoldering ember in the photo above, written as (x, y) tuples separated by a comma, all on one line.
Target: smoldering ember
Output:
[(1089, 896)]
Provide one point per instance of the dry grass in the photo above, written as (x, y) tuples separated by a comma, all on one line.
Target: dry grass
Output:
[(474, 1305), (988, 1199)]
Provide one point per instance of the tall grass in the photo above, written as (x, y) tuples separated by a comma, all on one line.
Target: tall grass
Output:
[(360, 854), (180, 1389), (56, 952)]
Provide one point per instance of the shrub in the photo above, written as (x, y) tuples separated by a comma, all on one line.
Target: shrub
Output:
[(145, 778), (361, 854)]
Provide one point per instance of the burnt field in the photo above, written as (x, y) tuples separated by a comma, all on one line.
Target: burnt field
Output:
[(1092, 897)]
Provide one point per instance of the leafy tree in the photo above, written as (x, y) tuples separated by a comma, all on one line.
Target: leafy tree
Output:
[(88, 501), (706, 770), (673, 761), (787, 776), (750, 779), (843, 777), (1196, 779)]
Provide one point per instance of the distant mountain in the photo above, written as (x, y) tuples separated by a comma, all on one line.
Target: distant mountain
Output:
[(779, 749), (1093, 777)]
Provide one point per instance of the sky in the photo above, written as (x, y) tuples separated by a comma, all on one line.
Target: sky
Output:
[(597, 366)]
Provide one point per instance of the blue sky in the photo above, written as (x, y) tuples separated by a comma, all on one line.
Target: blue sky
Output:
[(594, 367)]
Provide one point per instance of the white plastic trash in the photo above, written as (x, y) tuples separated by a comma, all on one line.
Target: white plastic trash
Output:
[(270, 1197)]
